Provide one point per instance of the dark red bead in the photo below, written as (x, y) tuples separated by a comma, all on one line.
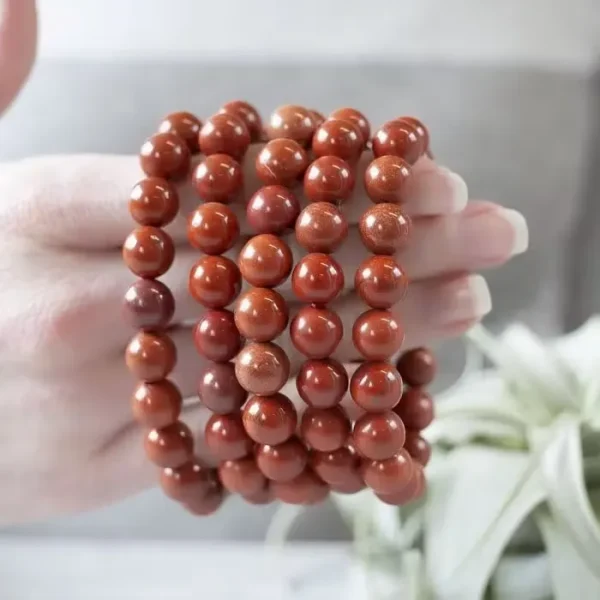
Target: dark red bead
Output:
[(226, 437), (149, 304), (417, 367), (380, 282), (416, 409), (384, 228), (398, 138), (219, 389), (224, 133), (188, 482), (282, 462), (376, 386), (213, 228), (272, 209), (242, 476), (218, 178), (379, 436), (389, 476), (248, 114), (411, 491), (269, 419), (317, 279), (262, 368), (338, 137), (418, 447), (185, 125), (281, 162), (216, 337), (322, 383), (385, 177), (215, 281), (325, 429), (328, 179), (335, 467), (261, 314), (165, 155), (316, 332), (153, 201), (377, 334), (321, 227)]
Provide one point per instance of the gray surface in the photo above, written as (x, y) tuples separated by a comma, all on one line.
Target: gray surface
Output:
[(518, 137)]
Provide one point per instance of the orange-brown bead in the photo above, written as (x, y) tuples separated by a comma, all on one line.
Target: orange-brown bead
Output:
[(242, 476), (171, 446), (153, 201), (272, 209), (262, 368), (328, 179), (338, 137), (281, 162), (190, 481), (265, 261), (377, 334), (321, 227), (384, 229), (150, 356), (269, 419), (224, 133), (356, 117), (389, 476), (317, 279), (420, 130), (261, 314), (379, 436), (322, 383), (385, 177), (205, 505), (213, 228), (165, 155), (156, 404), (226, 437), (186, 125), (325, 429), (148, 252), (216, 337), (282, 462), (248, 114), (305, 489), (215, 281), (316, 332), (380, 282), (412, 491), (218, 178), (376, 386), (398, 138), (292, 122)]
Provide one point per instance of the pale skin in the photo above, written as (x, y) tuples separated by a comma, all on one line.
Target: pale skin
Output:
[(68, 442)]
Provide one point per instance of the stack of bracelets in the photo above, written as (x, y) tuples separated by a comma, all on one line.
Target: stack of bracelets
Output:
[(264, 450)]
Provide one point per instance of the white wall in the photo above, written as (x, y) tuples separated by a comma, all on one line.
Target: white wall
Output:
[(530, 31)]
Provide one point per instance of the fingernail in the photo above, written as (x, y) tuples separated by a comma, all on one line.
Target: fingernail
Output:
[(458, 190), (519, 228), (468, 299)]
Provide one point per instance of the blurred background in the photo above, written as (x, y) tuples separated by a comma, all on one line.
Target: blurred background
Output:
[(510, 92)]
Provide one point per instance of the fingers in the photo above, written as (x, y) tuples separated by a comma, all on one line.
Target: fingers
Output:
[(18, 37), (81, 201)]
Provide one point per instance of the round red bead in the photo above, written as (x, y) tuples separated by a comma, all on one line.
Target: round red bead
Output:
[(185, 125), (322, 383), (213, 228), (380, 282), (328, 179), (215, 281), (282, 462), (226, 437), (156, 404), (265, 261), (419, 129), (150, 356), (153, 201), (281, 162), (377, 334), (335, 467), (376, 386), (216, 337), (272, 209), (317, 278), (316, 332), (242, 476), (218, 178), (417, 447), (389, 476), (170, 446), (262, 368), (356, 117), (270, 419), (149, 304), (261, 314), (384, 229), (379, 436), (325, 429), (338, 137), (417, 367), (292, 122), (416, 409), (385, 177), (306, 488), (190, 481), (321, 227), (224, 133), (148, 252), (248, 114), (219, 389), (165, 155), (398, 138)]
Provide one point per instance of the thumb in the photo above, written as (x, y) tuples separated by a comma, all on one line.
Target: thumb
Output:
[(18, 40)]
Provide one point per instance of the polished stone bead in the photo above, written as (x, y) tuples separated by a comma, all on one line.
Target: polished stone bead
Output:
[(417, 367), (281, 162), (148, 252), (262, 368), (151, 356), (156, 405), (338, 137), (328, 179), (398, 138), (272, 209), (321, 227), (218, 178), (317, 279), (377, 334), (305, 489), (420, 130), (265, 261), (336, 467), (171, 446), (242, 476), (384, 228), (186, 125), (316, 332), (261, 314), (148, 304), (248, 114), (356, 117), (204, 506), (380, 282), (322, 383), (376, 386), (418, 447), (153, 201), (292, 122), (216, 337), (413, 490), (416, 409), (190, 481), (213, 228), (388, 476), (269, 419), (224, 133), (215, 281), (262, 497), (385, 177), (219, 389), (325, 429), (378, 436), (282, 462), (226, 437), (165, 155), (351, 485)]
